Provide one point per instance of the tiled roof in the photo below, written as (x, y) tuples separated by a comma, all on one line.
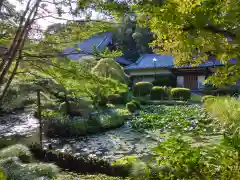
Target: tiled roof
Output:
[(164, 61), (122, 60), (146, 61), (86, 47)]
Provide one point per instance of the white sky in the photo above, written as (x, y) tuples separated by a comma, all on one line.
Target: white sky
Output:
[(44, 23)]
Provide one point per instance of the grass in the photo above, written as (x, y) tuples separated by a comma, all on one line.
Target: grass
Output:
[(226, 112)]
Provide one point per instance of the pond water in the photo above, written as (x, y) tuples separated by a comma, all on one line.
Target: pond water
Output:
[(110, 145)]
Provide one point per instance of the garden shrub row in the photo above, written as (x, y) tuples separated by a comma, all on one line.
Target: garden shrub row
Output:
[(59, 125), (181, 93), (78, 164), (142, 88), (160, 93)]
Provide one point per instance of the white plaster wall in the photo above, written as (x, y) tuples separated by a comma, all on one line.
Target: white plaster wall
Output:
[(200, 81), (180, 81), (148, 72)]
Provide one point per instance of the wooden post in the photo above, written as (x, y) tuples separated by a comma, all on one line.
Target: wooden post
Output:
[(39, 117)]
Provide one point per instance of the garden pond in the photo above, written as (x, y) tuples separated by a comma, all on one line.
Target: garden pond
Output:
[(111, 145), (154, 123)]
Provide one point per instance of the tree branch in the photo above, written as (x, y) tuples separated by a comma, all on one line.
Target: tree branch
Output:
[(213, 29)]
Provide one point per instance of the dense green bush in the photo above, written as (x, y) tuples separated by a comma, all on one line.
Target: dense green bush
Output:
[(159, 93), (116, 99), (180, 160), (78, 164), (165, 81), (181, 93), (131, 107), (142, 88), (65, 126), (206, 98), (137, 103), (18, 171), (18, 150)]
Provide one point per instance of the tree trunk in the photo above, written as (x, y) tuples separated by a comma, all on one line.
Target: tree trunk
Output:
[(5, 90), (20, 39), (6, 55)]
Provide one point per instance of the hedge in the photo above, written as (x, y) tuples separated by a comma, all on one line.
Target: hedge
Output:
[(181, 93), (206, 98), (142, 88), (131, 107), (159, 93), (77, 164), (137, 103)]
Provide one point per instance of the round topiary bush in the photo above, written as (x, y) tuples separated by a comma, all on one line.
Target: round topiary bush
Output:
[(159, 93), (131, 107), (116, 99), (207, 98), (137, 103), (142, 88), (181, 93)]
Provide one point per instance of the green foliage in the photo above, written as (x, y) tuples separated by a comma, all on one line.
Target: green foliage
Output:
[(18, 150), (207, 98), (110, 69), (142, 88), (116, 99), (226, 111), (2, 174), (159, 93), (131, 107), (17, 170), (137, 103), (131, 39), (181, 93), (165, 81), (66, 126), (176, 158), (174, 119), (126, 161)]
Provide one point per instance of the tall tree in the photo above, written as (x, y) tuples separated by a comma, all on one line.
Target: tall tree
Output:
[(131, 39)]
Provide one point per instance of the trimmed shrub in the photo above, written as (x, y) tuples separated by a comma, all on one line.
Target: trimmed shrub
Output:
[(165, 81), (142, 88), (18, 150), (137, 103), (206, 98), (116, 99), (159, 93), (181, 93), (131, 107)]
